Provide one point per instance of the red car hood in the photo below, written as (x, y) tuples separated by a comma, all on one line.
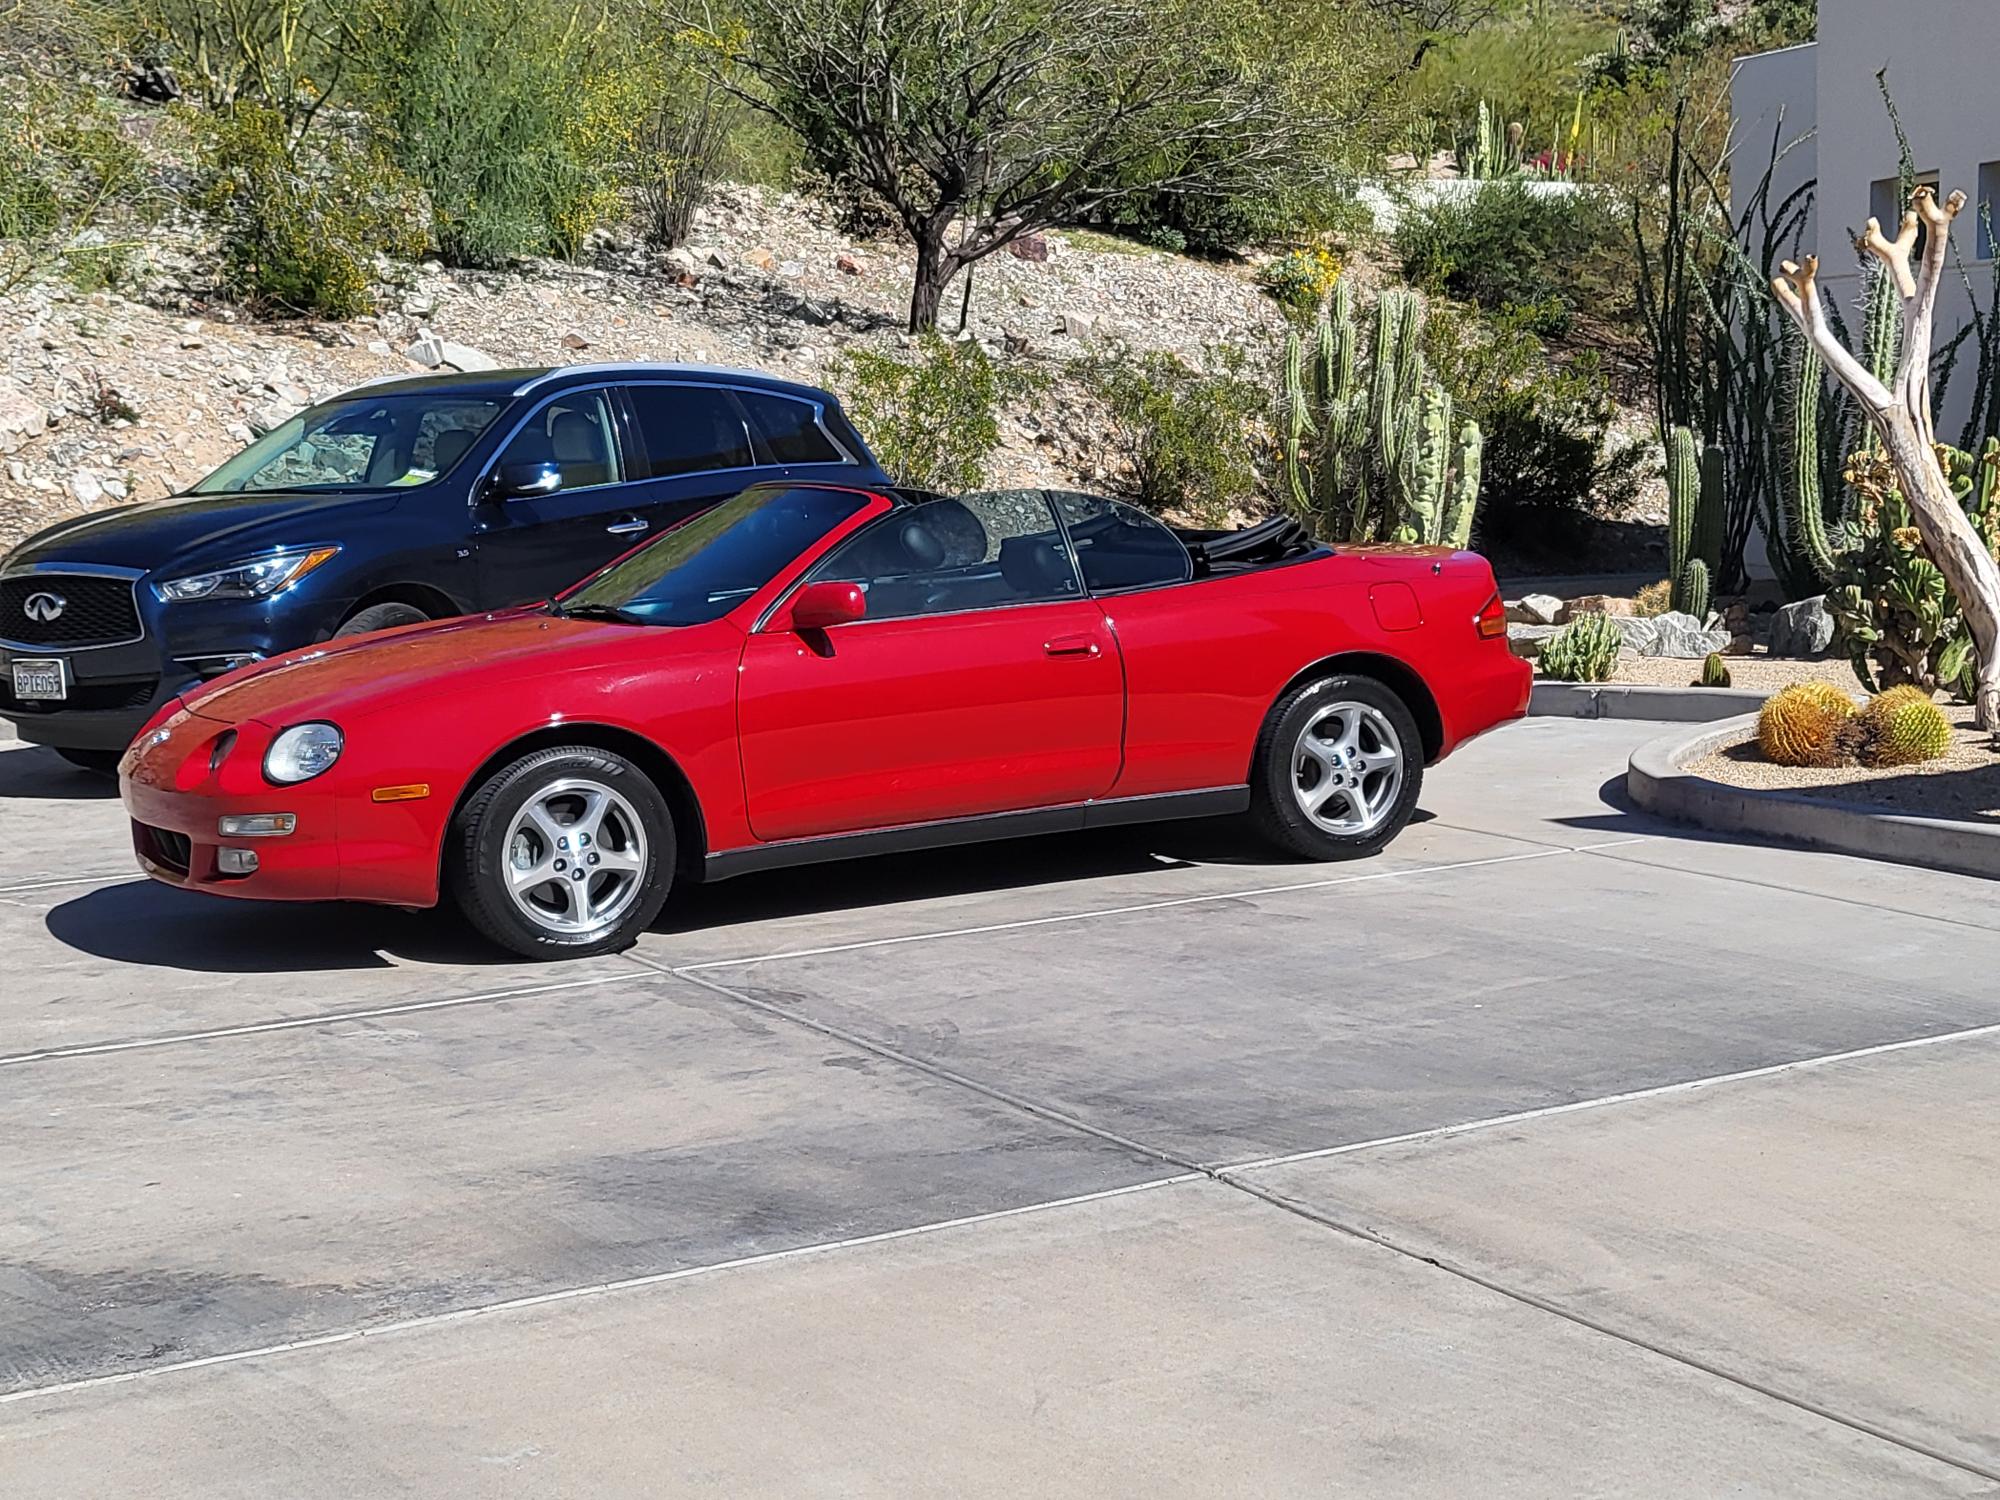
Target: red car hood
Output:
[(476, 654)]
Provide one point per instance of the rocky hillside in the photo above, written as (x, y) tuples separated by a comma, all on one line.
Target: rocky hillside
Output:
[(104, 400)]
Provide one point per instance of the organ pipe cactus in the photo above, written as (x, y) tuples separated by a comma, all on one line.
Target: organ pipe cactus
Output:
[(1694, 519), (1375, 455)]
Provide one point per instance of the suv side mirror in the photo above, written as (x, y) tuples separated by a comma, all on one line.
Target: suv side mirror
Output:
[(819, 605), (512, 481)]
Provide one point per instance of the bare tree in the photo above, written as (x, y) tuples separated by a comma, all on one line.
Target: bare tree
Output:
[(979, 121), (1900, 414), (1422, 24)]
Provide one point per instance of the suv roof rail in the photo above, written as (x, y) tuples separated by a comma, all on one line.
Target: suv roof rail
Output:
[(658, 367)]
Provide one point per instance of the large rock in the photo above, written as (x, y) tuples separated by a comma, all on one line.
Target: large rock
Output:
[(1538, 609), (1679, 635), (465, 357), (1527, 641), (1637, 632), (1597, 604), (1802, 628), (21, 417)]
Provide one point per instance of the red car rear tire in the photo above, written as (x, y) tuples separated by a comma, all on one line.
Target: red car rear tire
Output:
[(1338, 768), (565, 853)]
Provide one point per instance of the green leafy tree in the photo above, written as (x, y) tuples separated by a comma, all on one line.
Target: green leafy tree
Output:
[(978, 121)]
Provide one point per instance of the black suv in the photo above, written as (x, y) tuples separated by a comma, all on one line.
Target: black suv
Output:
[(397, 502)]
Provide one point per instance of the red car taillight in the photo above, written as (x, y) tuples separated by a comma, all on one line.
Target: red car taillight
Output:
[(1491, 621)]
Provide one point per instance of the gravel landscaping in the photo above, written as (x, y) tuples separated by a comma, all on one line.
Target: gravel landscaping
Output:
[(1765, 674), (1962, 784)]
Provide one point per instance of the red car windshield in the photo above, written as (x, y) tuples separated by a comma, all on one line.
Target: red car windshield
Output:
[(701, 570)]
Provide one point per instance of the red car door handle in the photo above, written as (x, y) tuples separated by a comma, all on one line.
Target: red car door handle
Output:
[(1070, 645)]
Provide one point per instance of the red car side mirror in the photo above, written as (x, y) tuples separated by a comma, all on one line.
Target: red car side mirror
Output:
[(820, 605)]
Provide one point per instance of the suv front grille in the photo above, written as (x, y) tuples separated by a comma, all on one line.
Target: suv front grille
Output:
[(89, 610)]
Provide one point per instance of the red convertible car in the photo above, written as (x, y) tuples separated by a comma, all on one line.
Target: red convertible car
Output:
[(812, 672)]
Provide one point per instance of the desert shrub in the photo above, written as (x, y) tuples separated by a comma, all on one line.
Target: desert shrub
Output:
[(1585, 650), (1192, 436), (1509, 244), (1654, 599), (1301, 279), (66, 172), (300, 231), (685, 136), (1549, 460), (932, 420), (518, 118)]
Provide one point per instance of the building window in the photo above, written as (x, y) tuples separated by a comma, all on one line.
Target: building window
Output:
[(1887, 203), (1986, 208)]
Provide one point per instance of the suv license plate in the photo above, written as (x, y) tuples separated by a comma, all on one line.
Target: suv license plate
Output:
[(45, 681)]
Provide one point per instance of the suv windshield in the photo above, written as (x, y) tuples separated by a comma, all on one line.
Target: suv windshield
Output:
[(359, 442), (701, 570)]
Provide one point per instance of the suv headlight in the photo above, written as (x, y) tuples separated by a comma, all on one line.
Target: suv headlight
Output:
[(301, 753), (253, 578)]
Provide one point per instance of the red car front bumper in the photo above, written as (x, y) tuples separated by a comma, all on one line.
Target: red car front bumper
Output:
[(181, 779)]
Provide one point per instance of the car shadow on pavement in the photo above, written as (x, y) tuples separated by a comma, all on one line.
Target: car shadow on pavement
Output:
[(144, 922), (1004, 864), (39, 773)]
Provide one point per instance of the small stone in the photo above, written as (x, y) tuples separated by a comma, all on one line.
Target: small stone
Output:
[(465, 357), (1077, 325), (791, 269), (761, 258), (714, 258), (1802, 628), (1029, 247), (427, 351), (17, 471), (115, 488), (85, 486), (1540, 609), (380, 346), (847, 265), (21, 417), (574, 340)]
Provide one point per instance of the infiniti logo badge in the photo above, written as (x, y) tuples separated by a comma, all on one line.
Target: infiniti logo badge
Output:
[(44, 607)]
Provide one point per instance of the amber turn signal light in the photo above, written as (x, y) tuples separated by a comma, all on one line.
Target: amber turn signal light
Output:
[(416, 791)]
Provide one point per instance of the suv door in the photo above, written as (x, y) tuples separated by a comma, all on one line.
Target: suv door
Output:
[(702, 443), (530, 546), (981, 680)]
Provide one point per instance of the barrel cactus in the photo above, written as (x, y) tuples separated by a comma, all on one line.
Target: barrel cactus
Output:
[(1806, 724), (1903, 727)]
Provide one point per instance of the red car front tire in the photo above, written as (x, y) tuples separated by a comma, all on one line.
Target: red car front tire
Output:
[(565, 853)]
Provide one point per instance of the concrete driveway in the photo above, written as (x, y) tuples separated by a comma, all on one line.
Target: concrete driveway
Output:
[(1555, 1152)]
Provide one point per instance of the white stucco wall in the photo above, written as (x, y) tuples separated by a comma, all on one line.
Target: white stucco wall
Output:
[(1943, 61)]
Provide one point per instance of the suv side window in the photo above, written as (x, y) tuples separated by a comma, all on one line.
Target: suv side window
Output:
[(789, 429), (574, 433), (690, 429), (980, 551), (1119, 546)]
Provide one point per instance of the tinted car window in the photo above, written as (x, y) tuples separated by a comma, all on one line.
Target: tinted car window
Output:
[(976, 551), (689, 429), (1119, 546), (790, 430), (573, 432), (701, 570)]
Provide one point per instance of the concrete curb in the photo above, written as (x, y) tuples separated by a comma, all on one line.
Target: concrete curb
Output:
[(1618, 700), (1655, 780)]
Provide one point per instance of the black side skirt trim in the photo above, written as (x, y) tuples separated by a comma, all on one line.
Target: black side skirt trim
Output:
[(1159, 808)]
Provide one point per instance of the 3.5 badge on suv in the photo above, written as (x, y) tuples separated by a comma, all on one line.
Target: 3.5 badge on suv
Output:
[(399, 502)]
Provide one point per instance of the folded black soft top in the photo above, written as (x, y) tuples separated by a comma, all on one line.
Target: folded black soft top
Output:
[(1269, 541)]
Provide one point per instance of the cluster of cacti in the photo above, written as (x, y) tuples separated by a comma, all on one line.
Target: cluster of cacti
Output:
[(1500, 151), (1585, 650), (1816, 724), (1714, 672), (1374, 454), (1901, 727), (1806, 724), (1894, 616), (1694, 520)]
